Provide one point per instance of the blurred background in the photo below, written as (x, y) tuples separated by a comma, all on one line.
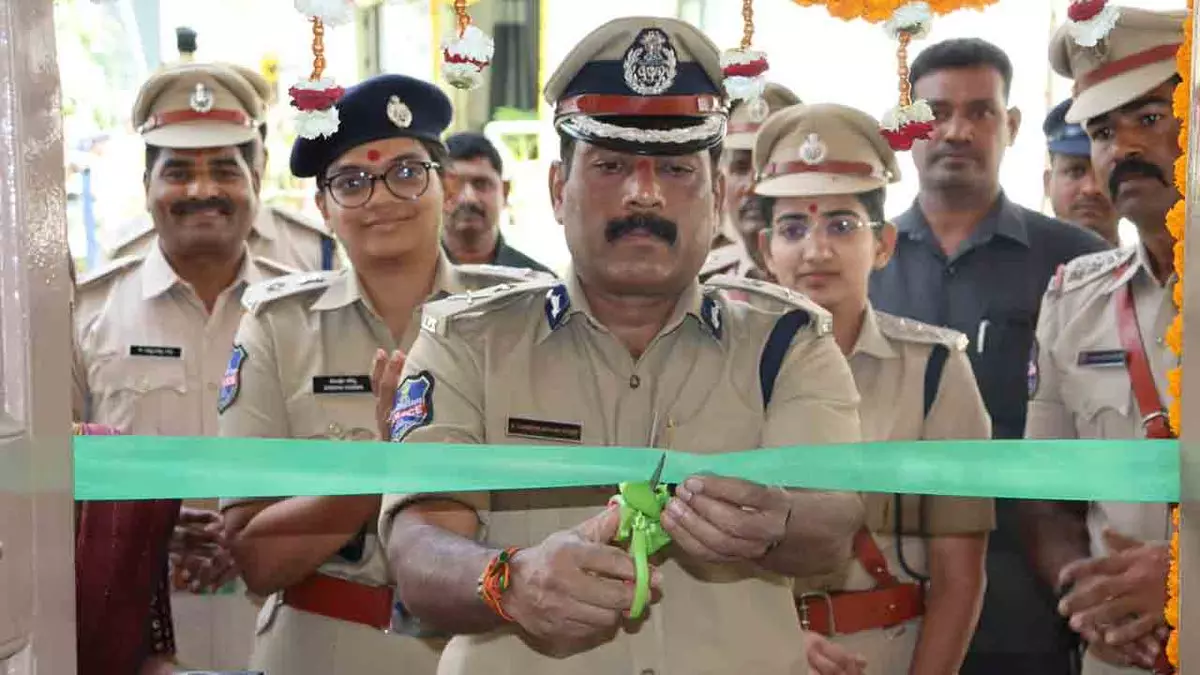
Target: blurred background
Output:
[(108, 47)]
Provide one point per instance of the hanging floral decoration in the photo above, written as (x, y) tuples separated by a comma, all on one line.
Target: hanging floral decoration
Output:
[(466, 52), (1090, 21), (909, 120), (316, 97), (1176, 225), (878, 11), (744, 68)]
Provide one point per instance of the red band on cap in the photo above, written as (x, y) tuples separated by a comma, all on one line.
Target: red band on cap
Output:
[(833, 166), (744, 128), (640, 106), (1124, 65), (181, 116)]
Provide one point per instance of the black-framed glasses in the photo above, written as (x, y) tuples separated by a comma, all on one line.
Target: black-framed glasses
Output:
[(796, 230), (407, 180)]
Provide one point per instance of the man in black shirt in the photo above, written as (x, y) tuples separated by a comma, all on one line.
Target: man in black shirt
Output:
[(969, 259)]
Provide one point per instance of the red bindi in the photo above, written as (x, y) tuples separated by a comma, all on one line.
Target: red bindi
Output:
[(812, 208), (373, 155)]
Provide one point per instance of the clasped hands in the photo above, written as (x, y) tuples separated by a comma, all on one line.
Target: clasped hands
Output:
[(1116, 602)]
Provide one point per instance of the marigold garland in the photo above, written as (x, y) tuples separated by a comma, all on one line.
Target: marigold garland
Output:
[(878, 11), (1177, 225)]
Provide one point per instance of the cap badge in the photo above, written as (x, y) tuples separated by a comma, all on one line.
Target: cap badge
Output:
[(650, 63), (399, 113), (202, 99), (814, 150), (758, 109)]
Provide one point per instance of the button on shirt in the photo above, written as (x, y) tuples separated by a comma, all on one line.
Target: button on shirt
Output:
[(991, 290), (149, 356)]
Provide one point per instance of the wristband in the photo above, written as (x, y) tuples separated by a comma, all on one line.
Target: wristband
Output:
[(495, 581)]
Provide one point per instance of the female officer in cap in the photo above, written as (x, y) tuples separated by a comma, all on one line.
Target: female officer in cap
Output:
[(300, 369), (908, 603)]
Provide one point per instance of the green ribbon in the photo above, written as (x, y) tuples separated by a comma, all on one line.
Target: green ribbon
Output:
[(641, 506), (158, 467)]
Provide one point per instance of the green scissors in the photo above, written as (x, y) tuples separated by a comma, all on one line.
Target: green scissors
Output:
[(641, 505)]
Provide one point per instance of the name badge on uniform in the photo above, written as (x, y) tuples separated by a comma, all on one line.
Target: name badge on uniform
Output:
[(544, 430), (1101, 358), (156, 352), (341, 384)]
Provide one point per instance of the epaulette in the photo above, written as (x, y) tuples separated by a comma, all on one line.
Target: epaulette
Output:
[(436, 315), (822, 320), (481, 276), (1085, 269), (910, 330), (107, 270), (263, 293), (720, 260), (276, 267), (300, 221), (132, 231)]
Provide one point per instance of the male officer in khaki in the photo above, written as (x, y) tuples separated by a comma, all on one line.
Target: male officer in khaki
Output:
[(735, 249), (300, 369), (275, 233), (908, 603), (629, 349), (1100, 363), (153, 330)]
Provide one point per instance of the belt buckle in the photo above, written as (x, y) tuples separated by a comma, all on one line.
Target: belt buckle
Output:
[(805, 622), (1151, 417)]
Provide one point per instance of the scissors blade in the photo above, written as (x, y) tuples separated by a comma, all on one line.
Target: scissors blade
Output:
[(658, 471)]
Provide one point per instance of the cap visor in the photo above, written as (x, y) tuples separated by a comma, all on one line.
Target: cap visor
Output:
[(190, 135), (816, 184), (1079, 146), (1115, 92)]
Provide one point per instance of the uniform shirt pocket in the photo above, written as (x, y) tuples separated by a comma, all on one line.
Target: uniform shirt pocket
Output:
[(339, 417), (139, 395), (1100, 400), (1002, 356)]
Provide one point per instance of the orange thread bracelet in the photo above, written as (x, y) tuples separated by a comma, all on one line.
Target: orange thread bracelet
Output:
[(495, 581)]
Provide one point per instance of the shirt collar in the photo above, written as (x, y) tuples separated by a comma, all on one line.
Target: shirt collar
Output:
[(566, 302), (345, 288), (871, 340), (1004, 219), (264, 224), (158, 276), (1137, 266)]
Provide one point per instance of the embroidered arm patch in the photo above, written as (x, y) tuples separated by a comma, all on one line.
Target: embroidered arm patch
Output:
[(231, 384), (413, 406)]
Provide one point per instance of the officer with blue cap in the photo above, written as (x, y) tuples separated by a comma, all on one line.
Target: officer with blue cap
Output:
[(301, 369), (1075, 194)]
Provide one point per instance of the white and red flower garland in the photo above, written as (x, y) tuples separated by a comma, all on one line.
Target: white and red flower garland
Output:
[(466, 52), (316, 97), (909, 120), (1090, 21), (743, 68)]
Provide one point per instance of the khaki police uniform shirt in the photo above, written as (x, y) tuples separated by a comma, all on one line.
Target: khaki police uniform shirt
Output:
[(149, 357), (309, 341), (275, 235), (534, 366), (889, 362), (1081, 387)]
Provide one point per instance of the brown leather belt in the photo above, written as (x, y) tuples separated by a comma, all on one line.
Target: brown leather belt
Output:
[(855, 611), (343, 600)]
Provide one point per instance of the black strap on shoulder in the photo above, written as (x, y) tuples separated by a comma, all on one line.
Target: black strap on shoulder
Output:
[(778, 343), (933, 374), (327, 252)]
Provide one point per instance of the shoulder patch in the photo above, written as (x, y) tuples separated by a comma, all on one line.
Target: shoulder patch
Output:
[(1087, 268), (482, 276), (720, 260), (909, 330), (412, 407), (231, 384), (291, 219), (785, 299), (437, 315), (108, 270), (263, 293)]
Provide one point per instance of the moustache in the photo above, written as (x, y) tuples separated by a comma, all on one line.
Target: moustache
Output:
[(1133, 168), (189, 206), (468, 209), (653, 225), (955, 152)]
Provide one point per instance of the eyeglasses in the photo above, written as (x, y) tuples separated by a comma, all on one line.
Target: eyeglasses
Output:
[(796, 230), (406, 180)]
